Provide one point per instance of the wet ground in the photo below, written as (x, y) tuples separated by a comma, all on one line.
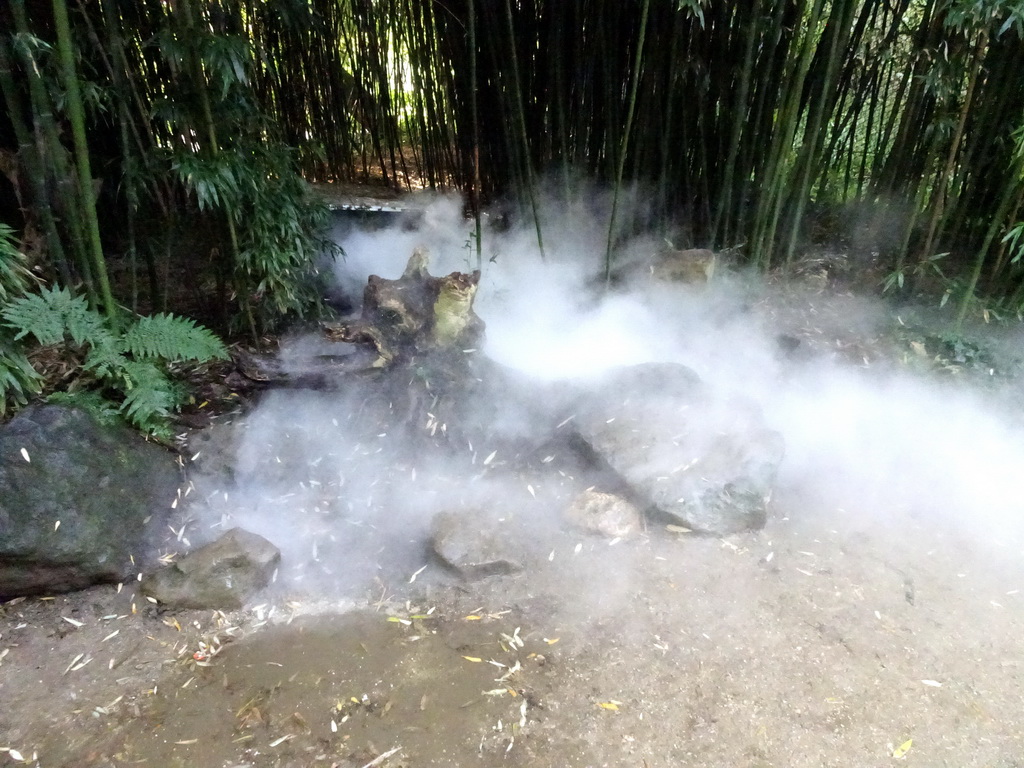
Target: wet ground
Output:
[(837, 636), (799, 645)]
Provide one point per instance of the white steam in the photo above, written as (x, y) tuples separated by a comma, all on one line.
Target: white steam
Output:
[(864, 447)]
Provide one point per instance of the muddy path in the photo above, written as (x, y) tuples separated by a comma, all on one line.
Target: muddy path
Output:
[(877, 619), (801, 645)]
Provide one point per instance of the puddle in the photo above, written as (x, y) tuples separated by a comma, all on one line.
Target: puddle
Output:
[(321, 690)]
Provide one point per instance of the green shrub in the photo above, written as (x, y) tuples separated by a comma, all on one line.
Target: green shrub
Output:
[(18, 379), (130, 363)]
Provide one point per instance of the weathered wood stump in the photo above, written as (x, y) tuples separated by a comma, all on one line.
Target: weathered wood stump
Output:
[(419, 370), (416, 316)]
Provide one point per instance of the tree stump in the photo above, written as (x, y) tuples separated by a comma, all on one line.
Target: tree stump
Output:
[(415, 317)]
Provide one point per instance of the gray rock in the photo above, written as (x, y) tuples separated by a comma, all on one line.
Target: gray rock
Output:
[(223, 575), (605, 514), (87, 500), (705, 462), (469, 543)]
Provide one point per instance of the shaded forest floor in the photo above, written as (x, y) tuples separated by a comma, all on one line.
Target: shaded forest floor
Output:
[(832, 637)]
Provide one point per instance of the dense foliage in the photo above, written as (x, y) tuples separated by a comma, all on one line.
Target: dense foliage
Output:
[(894, 127), (18, 379), (132, 363)]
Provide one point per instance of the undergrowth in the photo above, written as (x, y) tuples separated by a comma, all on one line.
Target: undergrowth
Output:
[(18, 379), (125, 366)]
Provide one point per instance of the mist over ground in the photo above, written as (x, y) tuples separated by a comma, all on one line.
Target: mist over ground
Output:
[(868, 447)]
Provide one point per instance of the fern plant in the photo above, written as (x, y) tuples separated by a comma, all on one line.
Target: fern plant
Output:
[(18, 379), (131, 362)]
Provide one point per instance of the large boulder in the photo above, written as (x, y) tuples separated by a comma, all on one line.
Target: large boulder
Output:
[(80, 502), (703, 461), (222, 575)]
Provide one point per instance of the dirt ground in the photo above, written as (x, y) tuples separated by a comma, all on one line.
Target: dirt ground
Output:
[(824, 639)]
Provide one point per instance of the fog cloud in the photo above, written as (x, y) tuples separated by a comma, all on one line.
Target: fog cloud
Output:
[(865, 445)]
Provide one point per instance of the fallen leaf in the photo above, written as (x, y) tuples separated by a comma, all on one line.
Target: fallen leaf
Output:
[(902, 749), (73, 662)]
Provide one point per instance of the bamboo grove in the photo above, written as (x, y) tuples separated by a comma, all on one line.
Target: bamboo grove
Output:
[(897, 125)]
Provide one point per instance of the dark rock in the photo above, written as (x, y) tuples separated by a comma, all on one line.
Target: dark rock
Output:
[(605, 514), (469, 542), (702, 461), (223, 575), (88, 499), (787, 343)]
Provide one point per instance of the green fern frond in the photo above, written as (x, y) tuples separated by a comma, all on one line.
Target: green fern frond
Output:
[(131, 362), (33, 314), (149, 396), (52, 313), (105, 359), (87, 326), (169, 337)]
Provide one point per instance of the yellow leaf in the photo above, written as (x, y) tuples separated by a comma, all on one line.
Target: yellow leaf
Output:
[(902, 749), (609, 705), (552, 641), (472, 658), (473, 617)]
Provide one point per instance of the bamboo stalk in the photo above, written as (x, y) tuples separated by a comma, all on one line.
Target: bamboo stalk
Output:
[(475, 193), (517, 103), (76, 116), (32, 162), (52, 155), (1009, 200), (942, 183), (638, 60)]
